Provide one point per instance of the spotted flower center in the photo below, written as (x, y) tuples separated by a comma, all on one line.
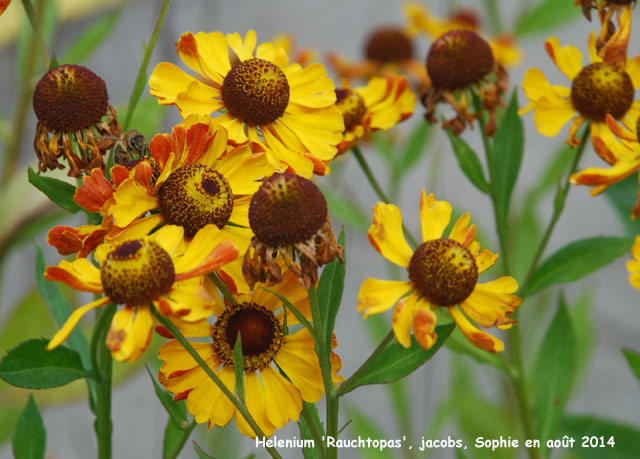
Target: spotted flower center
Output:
[(260, 332), (600, 89), (256, 91), (194, 196), (389, 44), (70, 98), (287, 209), (443, 271), (351, 104), (137, 272), (459, 58)]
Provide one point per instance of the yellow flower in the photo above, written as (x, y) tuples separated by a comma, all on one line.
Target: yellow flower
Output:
[(612, 43), (443, 272), (381, 104), (272, 398), (141, 270), (288, 108), (597, 90), (633, 266)]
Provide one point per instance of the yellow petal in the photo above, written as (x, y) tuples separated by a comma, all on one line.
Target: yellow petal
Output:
[(551, 114), (310, 87), (283, 400), (490, 304), (403, 319), (167, 81), (72, 321), (199, 99), (298, 360), (256, 404), (131, 201), (478, 338), (130, 333), (434, 216), (377, 296), (568, 58), (79, 274), (424, 324), (386, 235)]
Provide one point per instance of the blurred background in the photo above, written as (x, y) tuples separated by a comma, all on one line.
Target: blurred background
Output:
[(452, 394)]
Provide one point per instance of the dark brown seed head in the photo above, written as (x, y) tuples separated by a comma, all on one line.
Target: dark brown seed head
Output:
[(389, 44)]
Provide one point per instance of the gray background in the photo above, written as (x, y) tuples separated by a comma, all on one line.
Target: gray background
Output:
[(609, 389)]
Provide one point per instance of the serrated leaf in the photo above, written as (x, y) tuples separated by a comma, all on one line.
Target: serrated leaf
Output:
[(508, 146), (176, 410), (576, 260), (395, 362), (58, 191), (469, 162), (29, 365), (414, 149), (30, 437), (363, 426), (330, 288), (553, 374), (546, 15), (625, 437), (633, 359), (623, 195), (91, 38), (345, 211), (200, 452)]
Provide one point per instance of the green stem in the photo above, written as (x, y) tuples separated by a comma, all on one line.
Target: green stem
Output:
[(376, 187), (138, 86), (345, 385), (241, 407), (35, 26), (313, 428), (332, 401), (186, 433), (223, 288), (102, 364)]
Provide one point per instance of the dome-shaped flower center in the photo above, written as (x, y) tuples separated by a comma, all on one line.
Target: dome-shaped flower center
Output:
[(260, 332), (458, 59), (600, 89), (256, 91), (137, 272), (69, 98), (351, 104), (287, 209), (389, 44), (443, 271), (194, 196)]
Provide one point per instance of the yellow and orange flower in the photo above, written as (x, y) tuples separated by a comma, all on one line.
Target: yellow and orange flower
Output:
[(381, 104), (443, 272), (633, 266), (272, 398), (142, 270), (612, 43), (289, 109), (597, 90)]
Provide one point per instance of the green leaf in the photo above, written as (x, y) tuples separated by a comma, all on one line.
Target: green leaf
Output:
[(578, 259), (345, 211), (330, 288), (200, 452), (238, 365), (30, 438), (305, 431), (91, 38), (546, 15), (625, 437), (58, 191), (172, 439), (553, 374), (469, 162), (508, 146), (364, 426), (623, 195), (459, 343), (633, 359), (414, 149), (395, 362), (177, 410), (581, 312), (29, 365)]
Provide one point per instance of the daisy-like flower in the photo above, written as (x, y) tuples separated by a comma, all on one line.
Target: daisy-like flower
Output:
[(288, 108), (633, 266), (142, 270), (460, 61), (272, 399), (194, 178), (381, 104), (597, 90), (421, 20), (443, 272), (72, 105), (289, 217)]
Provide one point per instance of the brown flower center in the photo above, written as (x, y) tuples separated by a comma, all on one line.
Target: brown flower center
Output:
[(69, 98), (600, 89), (443, 271), (256, 91), (351, 104), (194, 196), (260, 332), (459, 58), (287, 209), (137, 272), (389, 44)]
